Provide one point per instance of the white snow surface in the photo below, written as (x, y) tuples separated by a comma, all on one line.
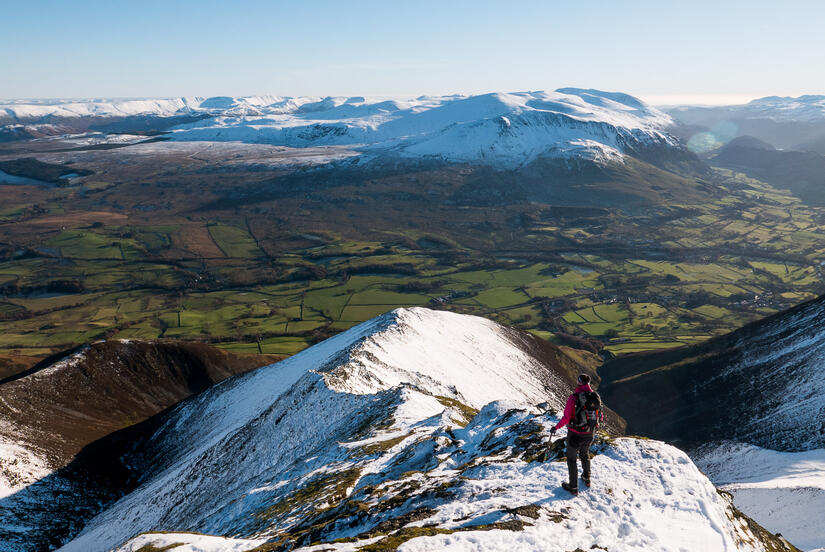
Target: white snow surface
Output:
[(19, 467), (375, 413), (189, 542), (783, 491), (61, 365), (465, 357), (647, 496), (503, 129)]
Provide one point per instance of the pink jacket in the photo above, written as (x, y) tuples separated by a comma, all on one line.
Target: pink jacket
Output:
[(570, 408)]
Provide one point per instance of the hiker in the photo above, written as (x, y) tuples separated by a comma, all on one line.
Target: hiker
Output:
[(582, 415)]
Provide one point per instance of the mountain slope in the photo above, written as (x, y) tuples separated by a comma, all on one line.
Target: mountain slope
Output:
[(60, 406), (803, 173), (748, 407), (53, 416), (785, 489), (416, 427), (756, 369)]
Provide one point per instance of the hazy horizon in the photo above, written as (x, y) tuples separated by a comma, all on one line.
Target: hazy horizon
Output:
[(663, 101)]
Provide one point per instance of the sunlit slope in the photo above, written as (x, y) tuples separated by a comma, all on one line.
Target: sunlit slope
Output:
[(416, 418)]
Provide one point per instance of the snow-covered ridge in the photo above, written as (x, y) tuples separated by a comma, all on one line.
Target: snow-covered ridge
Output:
[(503, 129), (305, 403), (415, 418), (649, 497)]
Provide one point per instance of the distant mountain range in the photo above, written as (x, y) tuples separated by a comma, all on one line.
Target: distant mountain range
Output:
[(505, 130), (783, 122), (499, 129)]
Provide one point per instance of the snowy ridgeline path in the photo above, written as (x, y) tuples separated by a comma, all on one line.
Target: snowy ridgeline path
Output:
[(491, 490), (413, 431)]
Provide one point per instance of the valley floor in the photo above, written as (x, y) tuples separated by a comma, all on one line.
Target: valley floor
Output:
[(273, 274)]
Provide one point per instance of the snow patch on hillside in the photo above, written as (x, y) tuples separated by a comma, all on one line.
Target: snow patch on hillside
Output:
[(784, 491), (63, 364), (19, 467), (188, 542)]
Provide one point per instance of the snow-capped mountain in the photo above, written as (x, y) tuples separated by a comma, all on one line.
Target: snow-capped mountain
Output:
[(784, 122), (418, 428), (749, 407), (506, 130), (808, 108)]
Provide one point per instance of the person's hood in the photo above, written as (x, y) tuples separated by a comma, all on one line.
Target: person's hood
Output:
[(583, 387)]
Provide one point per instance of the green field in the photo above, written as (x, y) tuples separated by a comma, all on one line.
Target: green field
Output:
[(234, 241)]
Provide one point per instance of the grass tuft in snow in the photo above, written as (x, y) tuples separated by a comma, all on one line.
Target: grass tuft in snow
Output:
[(321, 493), (153, 548), (391, 543), (382, 446), (467, 411)]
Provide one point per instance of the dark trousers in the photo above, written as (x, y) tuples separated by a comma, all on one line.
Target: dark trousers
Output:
[(578, 446)]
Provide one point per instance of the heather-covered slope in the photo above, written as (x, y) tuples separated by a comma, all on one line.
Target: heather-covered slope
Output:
[(59, 407), (64, 425)]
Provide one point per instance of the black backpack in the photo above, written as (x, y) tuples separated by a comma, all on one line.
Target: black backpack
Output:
[(588, 412)]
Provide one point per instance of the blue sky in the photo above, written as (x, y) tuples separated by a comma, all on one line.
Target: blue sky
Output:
[(662, 51)]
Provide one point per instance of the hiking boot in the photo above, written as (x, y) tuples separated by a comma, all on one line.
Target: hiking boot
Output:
[(571, 489), (586, 481)]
